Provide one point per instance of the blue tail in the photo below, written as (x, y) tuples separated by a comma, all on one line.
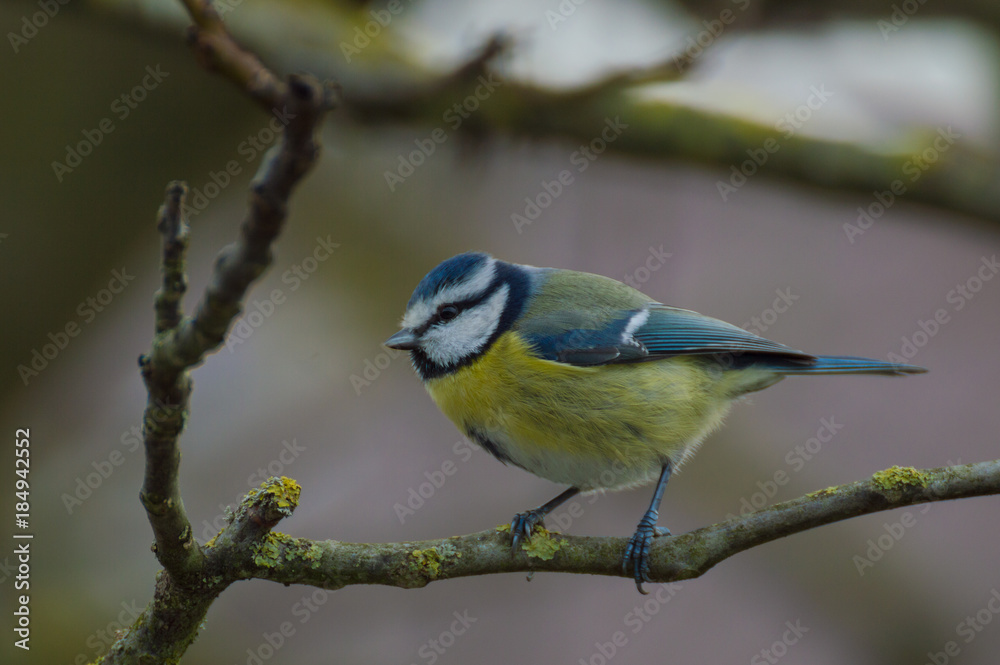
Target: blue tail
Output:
[(847, 365)]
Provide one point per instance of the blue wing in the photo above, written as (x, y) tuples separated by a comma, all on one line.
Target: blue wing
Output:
[(658, 331), (652, 333), (670, 331)]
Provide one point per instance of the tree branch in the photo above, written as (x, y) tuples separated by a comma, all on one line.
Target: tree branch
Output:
[(170, 622), (175, 232), (195, 574), (389, 83), (184, 344), (218, 52), (332, 565), (167, 404)]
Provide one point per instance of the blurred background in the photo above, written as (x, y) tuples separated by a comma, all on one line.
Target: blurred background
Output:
[(824, 177)]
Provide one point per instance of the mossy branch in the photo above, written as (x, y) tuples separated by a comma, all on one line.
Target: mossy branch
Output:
[(247, 548), (170, 622), (331, 564)]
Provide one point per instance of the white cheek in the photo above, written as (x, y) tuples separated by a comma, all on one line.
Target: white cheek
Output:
[(467, 334)]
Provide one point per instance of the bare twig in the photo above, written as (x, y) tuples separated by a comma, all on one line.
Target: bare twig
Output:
[(193, 575), (174, 230), (166, 405), (185, 344), (217, 51), (178, 348)]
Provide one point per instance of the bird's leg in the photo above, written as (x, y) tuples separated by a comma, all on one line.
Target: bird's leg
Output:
[(637, 552), (523, 523)]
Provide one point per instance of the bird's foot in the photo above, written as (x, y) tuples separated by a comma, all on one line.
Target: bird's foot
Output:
[(637, 552), (523, 524)]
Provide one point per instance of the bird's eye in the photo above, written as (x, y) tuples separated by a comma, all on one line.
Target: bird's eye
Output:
[(447, 312)]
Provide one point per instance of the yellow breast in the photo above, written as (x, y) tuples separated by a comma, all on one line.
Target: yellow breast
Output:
[(591, 427)]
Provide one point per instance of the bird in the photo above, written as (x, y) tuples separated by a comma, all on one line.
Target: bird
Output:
[(585, 381)]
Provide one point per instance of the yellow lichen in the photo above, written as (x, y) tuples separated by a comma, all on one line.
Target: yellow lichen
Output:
[(286, 492), (304, 550), (429, 561), (896, 478), (314, 555), (541, 545), (266, 553)]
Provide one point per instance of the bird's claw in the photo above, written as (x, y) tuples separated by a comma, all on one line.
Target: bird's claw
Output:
[(522, 525), (637, 551)]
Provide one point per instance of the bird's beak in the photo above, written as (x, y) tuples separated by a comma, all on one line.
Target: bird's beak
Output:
[(404, 340)]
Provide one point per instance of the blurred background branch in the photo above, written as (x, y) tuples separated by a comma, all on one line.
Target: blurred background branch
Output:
[(386, 78)]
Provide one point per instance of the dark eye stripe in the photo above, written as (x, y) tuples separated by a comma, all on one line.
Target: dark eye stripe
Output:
[(459, 307)]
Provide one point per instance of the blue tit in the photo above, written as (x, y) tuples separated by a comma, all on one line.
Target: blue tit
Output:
[(583, 380)]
